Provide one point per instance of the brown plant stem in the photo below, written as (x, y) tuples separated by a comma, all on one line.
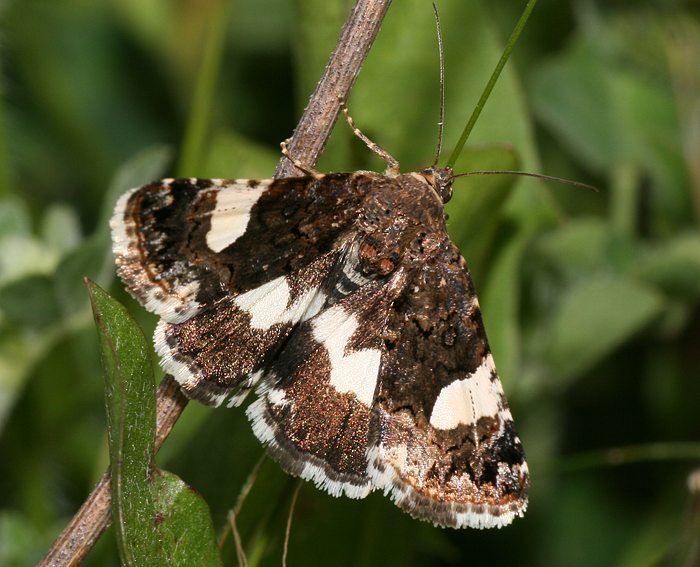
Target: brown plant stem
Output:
[(307, 143)]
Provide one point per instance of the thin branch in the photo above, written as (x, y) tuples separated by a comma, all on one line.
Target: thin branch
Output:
[(308, 141), (316, 124)]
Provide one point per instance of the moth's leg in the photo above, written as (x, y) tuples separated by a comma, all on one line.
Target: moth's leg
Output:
[(284, 146), (392, 166)]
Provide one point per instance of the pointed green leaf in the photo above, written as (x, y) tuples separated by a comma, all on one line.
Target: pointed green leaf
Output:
[(131, 420)]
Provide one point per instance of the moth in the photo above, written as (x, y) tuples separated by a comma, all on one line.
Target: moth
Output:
[(342, 303)]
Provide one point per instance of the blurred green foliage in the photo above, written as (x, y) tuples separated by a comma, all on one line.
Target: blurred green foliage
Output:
[(591, 300)]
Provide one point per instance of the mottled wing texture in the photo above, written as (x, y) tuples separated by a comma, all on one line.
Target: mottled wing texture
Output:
[(231, 267), (443, 444), (315, 403), (342, 301)]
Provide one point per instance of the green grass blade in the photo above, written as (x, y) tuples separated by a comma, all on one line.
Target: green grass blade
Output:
[(512, 40)]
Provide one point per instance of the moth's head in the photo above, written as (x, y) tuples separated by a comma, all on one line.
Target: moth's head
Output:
[(440, 179)]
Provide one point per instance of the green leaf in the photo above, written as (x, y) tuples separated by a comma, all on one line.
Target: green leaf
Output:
[(158, 519), (596, 317), (184, 523), (131, 419)]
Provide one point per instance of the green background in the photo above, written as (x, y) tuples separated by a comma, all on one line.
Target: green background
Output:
[(591, 300)]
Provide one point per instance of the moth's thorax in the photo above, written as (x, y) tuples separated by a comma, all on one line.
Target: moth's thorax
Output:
[(402, 217)]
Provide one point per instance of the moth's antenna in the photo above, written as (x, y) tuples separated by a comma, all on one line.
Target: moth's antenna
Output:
[(441, 122), (528, 174)]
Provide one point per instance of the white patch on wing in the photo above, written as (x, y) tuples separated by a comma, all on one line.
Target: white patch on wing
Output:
[(464, 401), (180, 371), (230, 216), (267, 305), (277, 397), (177, 307), (356, 372)]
